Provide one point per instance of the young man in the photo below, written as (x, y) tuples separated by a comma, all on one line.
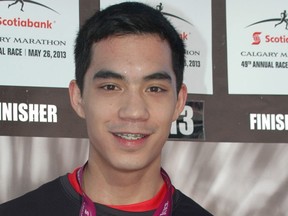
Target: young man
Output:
[(128, 88)]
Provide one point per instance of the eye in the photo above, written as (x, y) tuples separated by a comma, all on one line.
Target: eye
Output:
[(156, 89), (110, 87)]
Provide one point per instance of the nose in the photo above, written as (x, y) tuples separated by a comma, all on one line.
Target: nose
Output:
[(133, 107)]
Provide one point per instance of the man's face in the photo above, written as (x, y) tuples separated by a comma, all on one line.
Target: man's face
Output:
[(129, 101)]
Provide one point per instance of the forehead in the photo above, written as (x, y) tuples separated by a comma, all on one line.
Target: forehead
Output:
[(133, 40), (132, 52)]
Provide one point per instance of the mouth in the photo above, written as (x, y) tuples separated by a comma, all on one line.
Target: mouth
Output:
[(130, 136)]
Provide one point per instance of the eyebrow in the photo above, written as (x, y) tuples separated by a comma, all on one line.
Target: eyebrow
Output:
[(162, 75), (107, 74)]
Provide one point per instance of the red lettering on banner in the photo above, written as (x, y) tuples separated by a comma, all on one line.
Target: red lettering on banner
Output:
[(276, 39), (18, 22), (184, 36)]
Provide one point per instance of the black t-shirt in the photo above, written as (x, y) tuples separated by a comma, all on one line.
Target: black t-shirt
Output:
[(58, 198)]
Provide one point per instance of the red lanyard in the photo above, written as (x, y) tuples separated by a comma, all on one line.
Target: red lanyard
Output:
[(164, 209)]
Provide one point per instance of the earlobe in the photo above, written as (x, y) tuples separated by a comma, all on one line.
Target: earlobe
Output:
[(181, 101), (76, 98)]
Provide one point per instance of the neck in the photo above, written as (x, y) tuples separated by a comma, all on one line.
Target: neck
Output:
[(114, 187)]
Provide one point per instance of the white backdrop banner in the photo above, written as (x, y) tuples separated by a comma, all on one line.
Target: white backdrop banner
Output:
[(257, 42), (41, 34)]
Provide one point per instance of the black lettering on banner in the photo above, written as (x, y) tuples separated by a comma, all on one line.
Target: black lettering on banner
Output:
[(190, 124), (2, 51), (14, 51), (192, 63), (46, 53), (59, 54), (34, 52), (54, 54)]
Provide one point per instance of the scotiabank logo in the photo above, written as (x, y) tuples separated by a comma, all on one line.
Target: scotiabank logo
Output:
[(23, 3), (18, 22), (277, 22), (160, 7), (184, 35), (256, 38), (27, 22), (272, 38)]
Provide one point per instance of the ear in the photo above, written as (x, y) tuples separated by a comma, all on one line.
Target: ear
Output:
[(181, 101), (76, 99)]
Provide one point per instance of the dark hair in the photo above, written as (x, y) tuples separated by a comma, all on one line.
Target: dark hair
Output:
[(123, 19)]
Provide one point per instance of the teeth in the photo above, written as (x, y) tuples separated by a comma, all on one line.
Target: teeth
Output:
[(131, 136)]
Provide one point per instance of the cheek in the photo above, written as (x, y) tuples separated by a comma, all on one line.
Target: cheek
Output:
[(164, 115), (98, 111)]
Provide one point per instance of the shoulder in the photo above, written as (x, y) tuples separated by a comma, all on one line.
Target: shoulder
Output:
[(185, 206), (46, 200)]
